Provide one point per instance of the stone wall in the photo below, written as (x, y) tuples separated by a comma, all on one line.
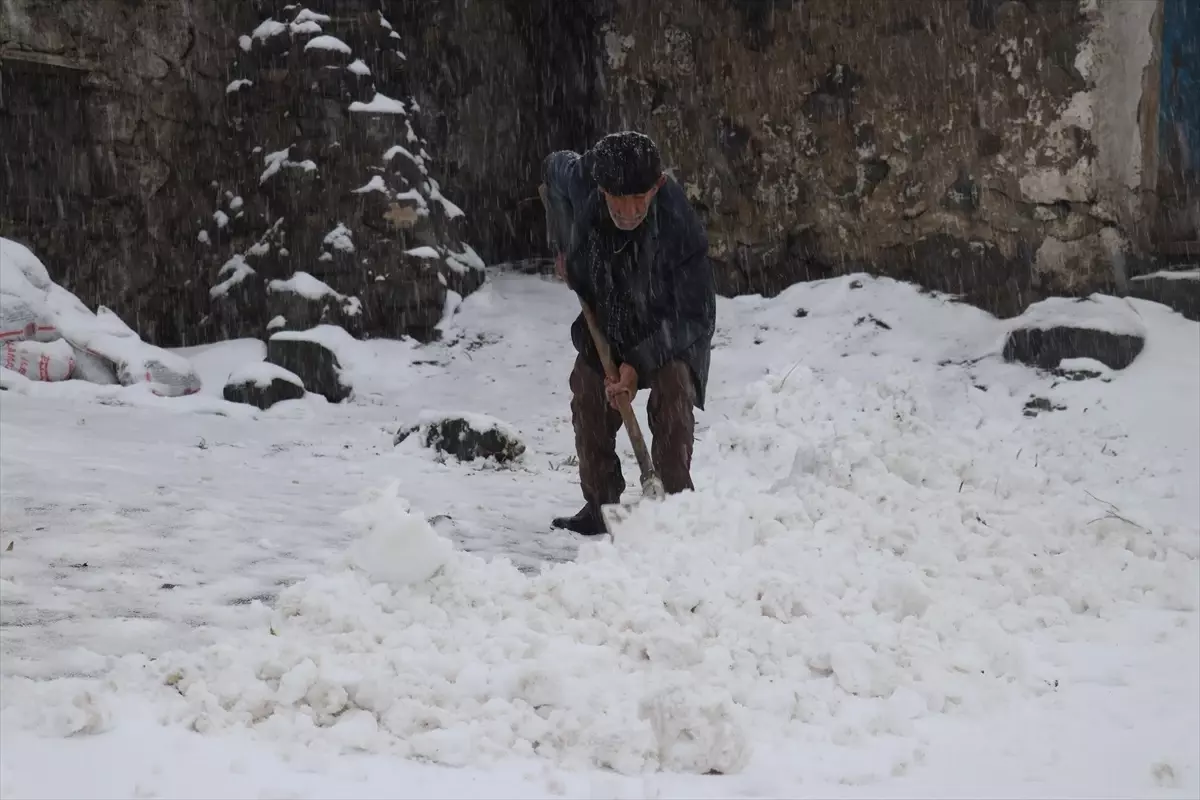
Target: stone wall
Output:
[(220, 168), (110, 118), (951, 143), (991, 148)]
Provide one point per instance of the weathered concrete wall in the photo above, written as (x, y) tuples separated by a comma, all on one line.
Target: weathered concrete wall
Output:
[(985, 148)]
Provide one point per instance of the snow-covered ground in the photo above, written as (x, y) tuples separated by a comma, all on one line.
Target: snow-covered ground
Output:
[(890, 582)]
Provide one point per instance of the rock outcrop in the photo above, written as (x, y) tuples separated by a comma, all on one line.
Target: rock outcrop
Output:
[(223, 168), (466, 437), (262, 384), (1179, 289), (329, 211), (316, 357)]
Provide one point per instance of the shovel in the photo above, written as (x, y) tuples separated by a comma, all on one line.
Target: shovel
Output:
[(652, 486)]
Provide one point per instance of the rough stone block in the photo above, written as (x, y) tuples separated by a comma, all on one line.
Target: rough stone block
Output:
[(466, 437), (262, 384)]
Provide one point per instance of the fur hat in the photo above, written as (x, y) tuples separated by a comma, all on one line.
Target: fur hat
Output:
[(626, 163)]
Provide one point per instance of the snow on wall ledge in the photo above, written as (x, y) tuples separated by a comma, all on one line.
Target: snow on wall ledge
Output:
[(332, 215)]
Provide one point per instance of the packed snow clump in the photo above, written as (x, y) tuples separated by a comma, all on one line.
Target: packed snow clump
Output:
[(399, 547)]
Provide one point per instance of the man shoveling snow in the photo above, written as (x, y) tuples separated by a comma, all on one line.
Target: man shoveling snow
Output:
[(629, 244)]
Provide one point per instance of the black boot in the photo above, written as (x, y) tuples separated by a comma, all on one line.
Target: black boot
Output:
[(587, 522)]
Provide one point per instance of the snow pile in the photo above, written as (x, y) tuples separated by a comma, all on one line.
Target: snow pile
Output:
[(889, 575), (875, 556), (108, 349)]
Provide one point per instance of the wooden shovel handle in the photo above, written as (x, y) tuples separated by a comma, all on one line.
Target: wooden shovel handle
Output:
[(645, 464)]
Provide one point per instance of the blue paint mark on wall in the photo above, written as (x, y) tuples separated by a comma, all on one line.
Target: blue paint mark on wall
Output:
[(1179, 99)]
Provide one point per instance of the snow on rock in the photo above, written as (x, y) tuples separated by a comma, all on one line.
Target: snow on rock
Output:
[(235, 271), (306, 28), (423, 252), (1177, 289), (415, 196), (279, 159), (358, 67), (304, 296), (339, 239), (238, 85), (467, 260), (307, 15), (261, 373), (465, 436), (1100, 327), (376, 184), (262, 384), (400, 150), (323, 358), (306, 286), (435, 193), (268, 28), (328, 43), (379, 104), (1097, 312)]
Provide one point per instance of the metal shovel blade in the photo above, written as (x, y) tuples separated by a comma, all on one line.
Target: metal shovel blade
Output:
[(615, 514)]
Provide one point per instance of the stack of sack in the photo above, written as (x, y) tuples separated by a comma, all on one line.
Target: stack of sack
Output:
[(48, 334)]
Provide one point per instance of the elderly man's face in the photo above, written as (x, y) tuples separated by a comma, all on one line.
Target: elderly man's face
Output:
[(628, 210)]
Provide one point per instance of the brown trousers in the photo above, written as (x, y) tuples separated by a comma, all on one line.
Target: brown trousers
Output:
[(596, 423)]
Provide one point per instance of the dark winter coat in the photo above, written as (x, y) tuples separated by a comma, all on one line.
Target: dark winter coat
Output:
[(652, 289)]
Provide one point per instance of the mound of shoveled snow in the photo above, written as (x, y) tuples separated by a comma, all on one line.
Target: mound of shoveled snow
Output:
[(875, 557)]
